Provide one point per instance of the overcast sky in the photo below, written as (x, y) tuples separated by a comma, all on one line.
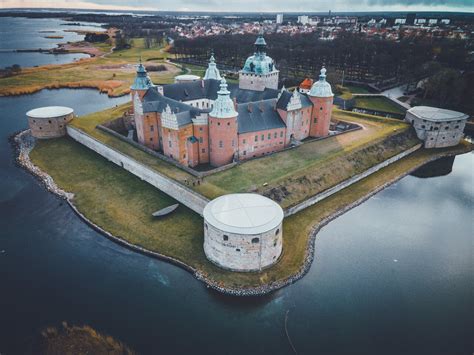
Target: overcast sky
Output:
[(251, 5)]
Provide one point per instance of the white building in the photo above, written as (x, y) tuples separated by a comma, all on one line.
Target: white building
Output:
[(437, 127), (400, 21), (304, 19), (279, 18), (243, 232)]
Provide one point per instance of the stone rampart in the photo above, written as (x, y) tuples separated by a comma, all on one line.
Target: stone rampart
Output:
[(346, 183), (181, 193)]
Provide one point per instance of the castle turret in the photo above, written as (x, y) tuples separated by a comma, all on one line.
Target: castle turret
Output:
[(141, 83), (259, 71), (322, 98), (223, 141), (212, 72)]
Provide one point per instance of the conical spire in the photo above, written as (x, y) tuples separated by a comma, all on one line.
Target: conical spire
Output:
[(322, 75), (223, 106), (142, 80), (212, 72)]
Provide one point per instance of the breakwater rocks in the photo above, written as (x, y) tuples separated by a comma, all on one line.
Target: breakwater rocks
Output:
[(24, 142)]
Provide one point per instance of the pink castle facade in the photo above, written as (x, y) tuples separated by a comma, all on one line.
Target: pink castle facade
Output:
[(212, 122)]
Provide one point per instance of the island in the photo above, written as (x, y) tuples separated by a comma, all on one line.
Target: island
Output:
[(114, 171)]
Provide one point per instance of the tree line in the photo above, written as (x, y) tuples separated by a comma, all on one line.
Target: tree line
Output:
[(352, 55)]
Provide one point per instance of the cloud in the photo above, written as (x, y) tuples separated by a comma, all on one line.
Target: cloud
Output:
[(251, 5)]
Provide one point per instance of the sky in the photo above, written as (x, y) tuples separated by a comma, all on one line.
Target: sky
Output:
[(250, 5)]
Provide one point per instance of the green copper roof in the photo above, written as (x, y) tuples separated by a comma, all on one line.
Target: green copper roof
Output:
[(142, 80), (260, 41)]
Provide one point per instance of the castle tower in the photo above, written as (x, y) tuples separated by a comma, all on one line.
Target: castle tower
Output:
[(322, 98), (259, 71), (223, 141), (212, 72), (141, 83)]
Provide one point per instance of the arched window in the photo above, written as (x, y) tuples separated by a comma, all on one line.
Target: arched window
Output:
[(225, 237), (277, 231), (255, 240)]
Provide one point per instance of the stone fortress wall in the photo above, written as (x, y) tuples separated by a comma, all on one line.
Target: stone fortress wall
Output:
[(242, 252), (181, 193), (49, 127)]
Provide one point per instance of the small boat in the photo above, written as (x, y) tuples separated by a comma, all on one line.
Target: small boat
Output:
[(165, 211)]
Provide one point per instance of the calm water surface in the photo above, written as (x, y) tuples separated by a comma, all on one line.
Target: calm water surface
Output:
[(394, 275), (26, 33)]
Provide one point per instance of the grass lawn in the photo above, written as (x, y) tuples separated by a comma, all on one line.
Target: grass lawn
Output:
[(324, 162), (112, 73), (122, 204), (357, 89), (378, 104)]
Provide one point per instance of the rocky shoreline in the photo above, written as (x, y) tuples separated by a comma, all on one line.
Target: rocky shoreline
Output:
[(24, 143)]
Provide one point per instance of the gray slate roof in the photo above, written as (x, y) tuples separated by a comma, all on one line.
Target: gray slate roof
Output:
[(153, 101), (261, 116), (285, 99), (208, 89)]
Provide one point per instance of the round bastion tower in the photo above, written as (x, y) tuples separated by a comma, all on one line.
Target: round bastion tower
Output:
[(322, 98), (222, 128)]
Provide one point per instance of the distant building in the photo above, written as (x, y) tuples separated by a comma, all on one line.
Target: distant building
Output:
[(49, 122), (212, 122), (279, 18), (437, 127), (410, 19), (304, 19)]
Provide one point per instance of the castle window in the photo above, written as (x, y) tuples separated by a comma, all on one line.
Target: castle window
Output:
[(203, 150), (237, 249), (151, 139), (205, 225), (245, 152), (263, 137), (275, 243), (169, 143), (436, 128), (200, 140), (255, 240), (277, 231), (233, 143), (200, 129), (256, 138), (221, 144), (281, 134), (321, 108), (218, 123), (456, 127), (228, 123), (269, 136), (275, 135), (243, 141), (225, 237), (49, 121), (423, 126), (152, 128)]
